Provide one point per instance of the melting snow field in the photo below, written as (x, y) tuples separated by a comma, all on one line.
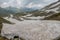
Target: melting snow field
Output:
[(32, 29)]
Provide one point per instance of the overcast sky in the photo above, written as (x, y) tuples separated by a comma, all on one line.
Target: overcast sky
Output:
[(25, 3)]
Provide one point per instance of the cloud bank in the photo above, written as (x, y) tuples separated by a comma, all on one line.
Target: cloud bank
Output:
[(25, 3)]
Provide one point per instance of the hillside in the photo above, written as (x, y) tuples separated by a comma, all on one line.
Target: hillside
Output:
[(4, 12), (53, 17), (52, 7), (2, 20)]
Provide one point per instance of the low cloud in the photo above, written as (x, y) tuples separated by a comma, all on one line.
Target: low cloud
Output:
[(4, 5), (33, 5), (25, 3), (12, 3)]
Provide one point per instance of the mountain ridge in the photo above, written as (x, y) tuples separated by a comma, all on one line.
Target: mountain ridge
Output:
[(52, 6)]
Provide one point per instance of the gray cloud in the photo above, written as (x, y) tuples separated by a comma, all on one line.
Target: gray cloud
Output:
[(18, 3)]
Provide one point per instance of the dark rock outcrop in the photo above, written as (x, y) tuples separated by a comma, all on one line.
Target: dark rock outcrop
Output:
[(53, 17)]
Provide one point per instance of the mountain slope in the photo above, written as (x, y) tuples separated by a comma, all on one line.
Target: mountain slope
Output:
[(4, 12), (53, 17), (54, 10), (52, 7), (2, 20)]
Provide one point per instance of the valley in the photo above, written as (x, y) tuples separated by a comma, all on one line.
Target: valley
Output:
[(30, 24)]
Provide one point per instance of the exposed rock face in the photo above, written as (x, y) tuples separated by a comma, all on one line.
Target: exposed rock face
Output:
[(53, 17), (57, 38)]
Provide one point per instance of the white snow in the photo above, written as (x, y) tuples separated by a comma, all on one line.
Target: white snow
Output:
[(33, 18), (55, 4), (32, 29), (48, 9), (28, 15), (54, 10)]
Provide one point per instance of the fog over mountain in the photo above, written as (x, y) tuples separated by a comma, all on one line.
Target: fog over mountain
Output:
[(25, 3)]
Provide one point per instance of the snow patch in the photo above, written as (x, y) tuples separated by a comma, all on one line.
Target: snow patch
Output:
[(32, 29)]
